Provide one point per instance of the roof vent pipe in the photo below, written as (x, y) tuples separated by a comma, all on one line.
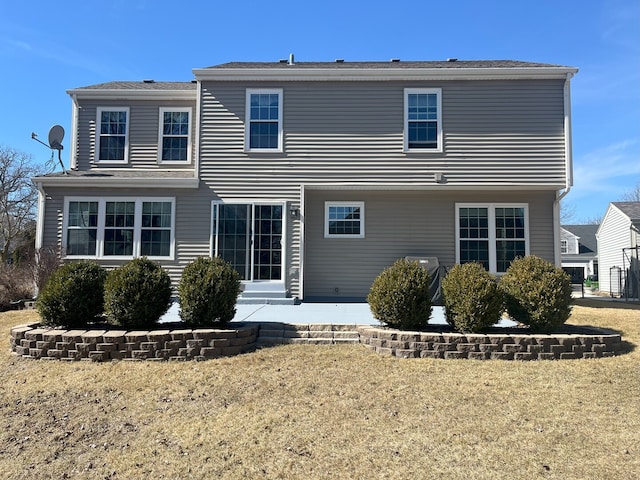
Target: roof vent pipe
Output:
[(291, 59)]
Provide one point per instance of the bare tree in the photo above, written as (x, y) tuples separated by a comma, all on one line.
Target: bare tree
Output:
[(18, 198), (567, 212), (593, 220), (632, 195)]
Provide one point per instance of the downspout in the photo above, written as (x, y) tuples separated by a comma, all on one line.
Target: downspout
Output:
[(198, 129), (39, 240), (568, 165), (73, 161)]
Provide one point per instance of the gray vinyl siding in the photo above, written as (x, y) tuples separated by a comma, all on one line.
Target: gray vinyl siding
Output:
[(144, 127), (192, 227), (399, 224), (614, 235), (192, 221), (496, 133)]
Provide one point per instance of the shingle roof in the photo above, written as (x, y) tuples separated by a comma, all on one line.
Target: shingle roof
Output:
[(142, 85), (390, 64), (587, 235), (121, 173), (630, 209)]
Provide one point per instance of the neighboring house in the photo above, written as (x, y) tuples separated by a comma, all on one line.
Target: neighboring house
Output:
[(311, 178), (579, 249), (618, 245)]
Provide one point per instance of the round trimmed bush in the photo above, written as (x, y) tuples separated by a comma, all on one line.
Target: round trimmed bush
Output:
[(537, 293), (473, 302), (137, 294), (208, 291), (399, 296), (73, 295)]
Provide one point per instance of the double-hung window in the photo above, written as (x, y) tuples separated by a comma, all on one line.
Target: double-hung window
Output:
[(423, 119), (564, 246), (119, 227), (263, 129), (82, 228), (113, 134), (492, 234), (344, 220), (175, 135)]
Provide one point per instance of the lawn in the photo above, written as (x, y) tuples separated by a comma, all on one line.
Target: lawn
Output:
[(310, 412)]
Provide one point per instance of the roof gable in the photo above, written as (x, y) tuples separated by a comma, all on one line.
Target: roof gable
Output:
[(587, 236), (630, 209)]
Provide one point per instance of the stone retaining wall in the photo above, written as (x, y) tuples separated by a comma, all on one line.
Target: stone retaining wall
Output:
[(491, 346), (34, 341)]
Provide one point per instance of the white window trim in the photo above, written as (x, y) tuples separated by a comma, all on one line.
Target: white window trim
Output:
[(137, 227), (247, 125), (327, 205), (491, 209), (438, 92), (161, 135), (126, 134)]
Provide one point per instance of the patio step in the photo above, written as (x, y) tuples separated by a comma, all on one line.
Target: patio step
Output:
[(308, 334), (267, 300)]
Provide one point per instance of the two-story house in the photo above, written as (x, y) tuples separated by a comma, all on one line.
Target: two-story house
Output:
[(311, 178)]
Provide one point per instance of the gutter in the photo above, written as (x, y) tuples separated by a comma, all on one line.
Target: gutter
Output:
[(568, 164), (128, 94), (381, 74), (98, 181)]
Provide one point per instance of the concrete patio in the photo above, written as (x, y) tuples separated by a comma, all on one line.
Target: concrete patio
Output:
[(311, 313)]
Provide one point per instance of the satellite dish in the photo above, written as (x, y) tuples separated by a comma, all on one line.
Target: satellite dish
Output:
[(56, 134)]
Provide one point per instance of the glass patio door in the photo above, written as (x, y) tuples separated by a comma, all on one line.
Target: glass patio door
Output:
[(249, 236)]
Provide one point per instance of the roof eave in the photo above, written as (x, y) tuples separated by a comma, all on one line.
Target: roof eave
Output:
[(382, 74), (117, 182), (122, 93)]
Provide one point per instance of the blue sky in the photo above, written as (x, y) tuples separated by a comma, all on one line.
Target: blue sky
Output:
[(47, 48)]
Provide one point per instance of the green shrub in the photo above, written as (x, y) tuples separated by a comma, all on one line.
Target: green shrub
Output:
[(472, 299), (73, 295), (399, 296), (137, 294), (208, 291), (537, 293)]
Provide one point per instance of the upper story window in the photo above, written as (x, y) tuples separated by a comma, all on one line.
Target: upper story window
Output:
[(113, 134), (263, 130), (344, 220), (119, 227), (423, 119), (492, 235), (175, 135)]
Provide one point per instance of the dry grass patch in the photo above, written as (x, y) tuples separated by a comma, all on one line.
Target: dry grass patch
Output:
[(325, 412)]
